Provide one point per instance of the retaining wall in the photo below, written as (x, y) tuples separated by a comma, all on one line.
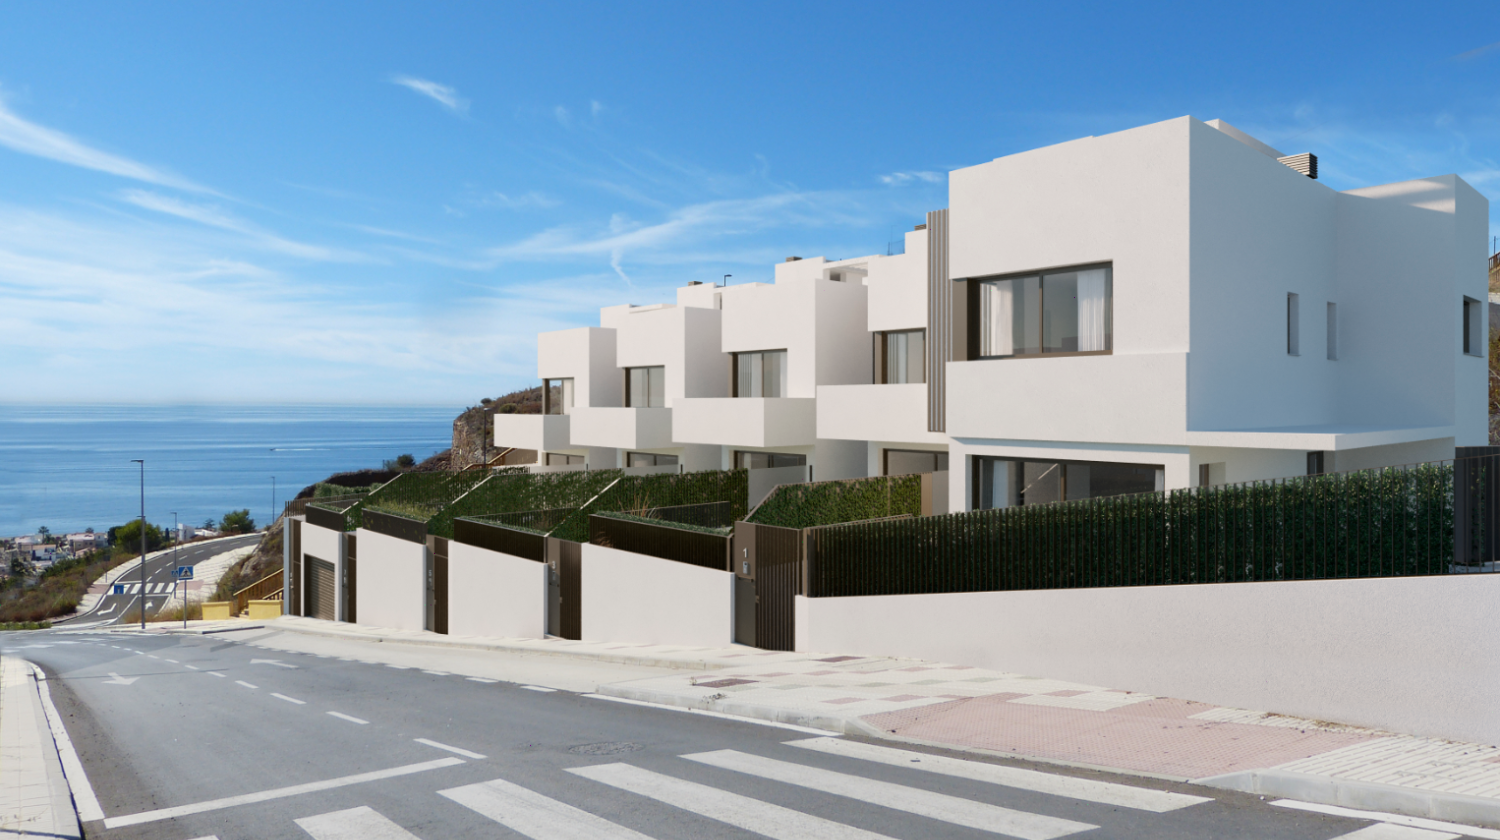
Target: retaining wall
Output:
[(495, 594), (630, 597)]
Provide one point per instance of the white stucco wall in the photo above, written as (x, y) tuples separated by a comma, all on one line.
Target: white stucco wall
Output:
[(898, 287), (630, 597), (587, 355), (875, 412), (391, 586), (1411, 655), (683, 340), (495, 594), (755, 422), (326, 545)]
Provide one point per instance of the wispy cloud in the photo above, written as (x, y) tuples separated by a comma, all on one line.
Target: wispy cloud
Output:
[(519, 201), (563, 115), (29, 138), (897, 179), (1472, 54), (218, 218), (441, 94)]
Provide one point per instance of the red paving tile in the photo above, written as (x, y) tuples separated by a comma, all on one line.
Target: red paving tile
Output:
[(1152, 737), (842, 700)]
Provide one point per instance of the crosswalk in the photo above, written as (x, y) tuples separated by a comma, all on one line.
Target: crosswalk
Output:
[(529, 813), (151, 588)]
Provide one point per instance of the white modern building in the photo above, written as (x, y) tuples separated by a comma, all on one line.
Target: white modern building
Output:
[(1168, 306)]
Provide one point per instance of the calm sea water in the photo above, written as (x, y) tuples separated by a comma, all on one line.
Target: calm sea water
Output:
[(68, 467)]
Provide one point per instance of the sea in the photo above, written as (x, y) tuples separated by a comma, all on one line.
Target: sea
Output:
[(68, 467)]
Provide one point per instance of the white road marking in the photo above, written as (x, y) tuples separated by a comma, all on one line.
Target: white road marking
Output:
[(462, 752), (538, 688), (925, 803), (1386, 831), (289, 699), (437, 673), (153, 656), (398, 667), (722, 715), (209, 837), (215, 673), (276, 793), (173, 661), (361, 823), (350, 718), (245, 684), (119, 680), (481, 680), (78, 781), (739, 811), (1107, 793), (1394, 819), (191, 667), (277, 662), (534, 815)]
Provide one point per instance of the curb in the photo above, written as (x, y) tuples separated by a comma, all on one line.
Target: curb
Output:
[(35, 798), (1366, 796), (831, 723)]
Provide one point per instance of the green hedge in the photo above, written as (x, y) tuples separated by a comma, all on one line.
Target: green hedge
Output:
[(1372, 523), (523, 491), (639, 492), (706, 518), (531, 521), (833, 502), (422, 496)]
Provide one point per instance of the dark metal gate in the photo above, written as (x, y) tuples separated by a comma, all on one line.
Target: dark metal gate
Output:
[(351, 579), (772, 558), (437, 586), (565, 557), (1476, 504), (293, 582)]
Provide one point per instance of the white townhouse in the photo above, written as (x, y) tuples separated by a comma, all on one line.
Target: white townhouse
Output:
[(1169, 306)]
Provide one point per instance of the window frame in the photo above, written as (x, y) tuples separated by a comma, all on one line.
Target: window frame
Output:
[(973, 314), (1293, 324), (648, 369), (734, 372), (1471, 343), (676, 461), (739, 454), (881, 373), (568, 390), (939, 456), (976, 477)]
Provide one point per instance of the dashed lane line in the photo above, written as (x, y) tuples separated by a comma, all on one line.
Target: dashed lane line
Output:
[(458, 750), (350, 718), (289, 699)]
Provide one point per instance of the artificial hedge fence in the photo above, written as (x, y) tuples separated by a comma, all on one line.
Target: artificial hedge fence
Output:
[(640, 492), (833, 502)]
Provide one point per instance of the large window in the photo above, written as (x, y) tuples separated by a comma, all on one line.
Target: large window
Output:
[(760, 374), (649, 459), (763, 460), (1067, 311), (558, 396), (558, 459), (914, 461), (646, 387), (1005, 482), (900, 357)]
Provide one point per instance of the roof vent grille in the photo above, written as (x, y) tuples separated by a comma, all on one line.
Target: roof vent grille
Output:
[(1306, 163), (792, 259)]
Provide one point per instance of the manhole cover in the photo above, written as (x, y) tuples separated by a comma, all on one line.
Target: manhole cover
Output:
[(606, 748)]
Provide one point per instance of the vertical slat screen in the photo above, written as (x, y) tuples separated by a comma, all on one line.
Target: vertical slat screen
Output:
[(939, 320)]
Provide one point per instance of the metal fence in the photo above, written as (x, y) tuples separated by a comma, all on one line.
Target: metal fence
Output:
[(660, 539), (520, 534), (1372, 523)]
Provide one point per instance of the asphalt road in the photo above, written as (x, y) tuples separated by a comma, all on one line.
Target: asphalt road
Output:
[(112, 608), (189, 737)]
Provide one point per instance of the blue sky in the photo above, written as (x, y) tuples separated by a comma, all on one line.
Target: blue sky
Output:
[(198, 201)]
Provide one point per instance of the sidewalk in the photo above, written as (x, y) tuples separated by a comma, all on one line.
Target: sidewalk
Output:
[(1025, 717), (34, 797)]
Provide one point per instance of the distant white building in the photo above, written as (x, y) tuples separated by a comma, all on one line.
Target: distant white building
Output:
[(1163, 307)]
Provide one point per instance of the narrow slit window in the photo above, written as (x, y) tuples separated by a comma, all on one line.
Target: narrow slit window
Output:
[(1293, 328), (1333, 332), (1473, 327)]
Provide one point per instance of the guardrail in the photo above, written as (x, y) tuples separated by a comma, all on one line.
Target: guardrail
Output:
[(261, 590)]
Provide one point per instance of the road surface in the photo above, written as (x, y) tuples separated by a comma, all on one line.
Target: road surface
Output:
[(112, 608)]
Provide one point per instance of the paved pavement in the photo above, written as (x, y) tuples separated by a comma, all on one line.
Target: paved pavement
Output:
[(269, 733), (110, 608)]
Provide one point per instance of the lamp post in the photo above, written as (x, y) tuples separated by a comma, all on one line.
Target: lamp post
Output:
[(273, 501), (142, 462), (175, 534)]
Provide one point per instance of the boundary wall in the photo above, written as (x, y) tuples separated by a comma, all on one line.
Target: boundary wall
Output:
[(630, 597), (1415, 655), (491, 593), (391, 587)]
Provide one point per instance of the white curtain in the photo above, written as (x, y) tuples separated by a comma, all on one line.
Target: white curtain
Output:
[(996, 308), (1091, 310)]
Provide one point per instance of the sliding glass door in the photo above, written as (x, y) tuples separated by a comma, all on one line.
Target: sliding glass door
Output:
[(1007, 482), (760, 374), (1059, 312)]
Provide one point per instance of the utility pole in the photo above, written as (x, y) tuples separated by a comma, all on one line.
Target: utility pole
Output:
[(142, 462), (272, 521)]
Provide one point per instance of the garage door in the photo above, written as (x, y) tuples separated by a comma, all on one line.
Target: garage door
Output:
[(320, 588)]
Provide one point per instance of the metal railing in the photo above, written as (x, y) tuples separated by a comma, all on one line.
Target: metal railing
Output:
[(261, 590), (1394, 521), (661, 539)]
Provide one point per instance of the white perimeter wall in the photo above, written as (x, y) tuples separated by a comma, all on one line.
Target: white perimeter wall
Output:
[(324, 545), (495, 594), (1412, 655), (391, 587), (630, 597)]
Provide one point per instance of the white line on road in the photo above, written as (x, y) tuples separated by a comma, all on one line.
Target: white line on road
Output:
[(289, 699), (462, 752), (191, 667), (153, 656), (277, 793), (83, 793), (925, 803), (527, 812), (173, 661), (538, 688), (722, 715), (1395, 819), (350, 718), (480, 680), (245, 684), (437, 673), (1107, 793), (1387, 831), (398, 667), (215, 673), (361, 823), (732, 808)]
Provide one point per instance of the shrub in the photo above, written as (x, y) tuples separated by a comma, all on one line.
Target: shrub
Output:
[(833, 502)]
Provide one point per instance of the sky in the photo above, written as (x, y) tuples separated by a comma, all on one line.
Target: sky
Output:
[(383, 203)]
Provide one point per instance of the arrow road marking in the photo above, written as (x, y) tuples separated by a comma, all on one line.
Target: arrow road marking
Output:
[(277, 662), (119, 680)]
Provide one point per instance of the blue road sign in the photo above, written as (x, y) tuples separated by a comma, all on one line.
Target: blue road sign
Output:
[(119, 589), (184, 572)]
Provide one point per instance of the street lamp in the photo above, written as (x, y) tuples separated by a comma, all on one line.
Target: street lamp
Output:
[(175, 534), (142, 462), (273, 500)]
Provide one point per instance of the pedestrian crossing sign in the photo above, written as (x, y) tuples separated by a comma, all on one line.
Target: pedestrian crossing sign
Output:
[(119, 589), (184, 572)]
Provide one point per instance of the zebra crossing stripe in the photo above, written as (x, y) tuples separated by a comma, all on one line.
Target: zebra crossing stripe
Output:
[(1387, 831), (534, 815), (361, 823), (924, 803), (739, 811), (1089, 790)]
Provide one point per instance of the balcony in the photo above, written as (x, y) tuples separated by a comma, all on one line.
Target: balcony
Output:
[(875, 412), (542, 432), (760, 422), (623, 428)]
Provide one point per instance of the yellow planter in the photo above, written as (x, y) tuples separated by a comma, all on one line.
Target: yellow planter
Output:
[(217, 610), (261, 610)]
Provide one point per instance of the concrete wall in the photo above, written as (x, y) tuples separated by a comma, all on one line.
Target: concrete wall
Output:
[(391, 587), (1412, 655), (495, 594), (683, 340), (898, 288), (587, 356), (630, 597), (875, 412), (329, 546)]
